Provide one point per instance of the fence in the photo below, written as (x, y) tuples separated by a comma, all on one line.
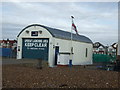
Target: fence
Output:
[(103, 58), (7, 52)]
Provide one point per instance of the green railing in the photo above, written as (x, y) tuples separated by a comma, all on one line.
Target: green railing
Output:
[(103, 58)]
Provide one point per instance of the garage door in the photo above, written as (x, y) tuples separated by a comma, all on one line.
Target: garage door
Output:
[(35, 48)]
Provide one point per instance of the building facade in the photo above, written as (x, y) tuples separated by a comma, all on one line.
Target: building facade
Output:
[(54, 45)]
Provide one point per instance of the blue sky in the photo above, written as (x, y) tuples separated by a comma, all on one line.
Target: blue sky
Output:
[(96, 20)]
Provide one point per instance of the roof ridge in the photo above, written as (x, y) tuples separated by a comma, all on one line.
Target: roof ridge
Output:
[(61, 34)]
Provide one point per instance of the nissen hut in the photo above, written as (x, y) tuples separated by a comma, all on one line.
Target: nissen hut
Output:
[(53, 45)]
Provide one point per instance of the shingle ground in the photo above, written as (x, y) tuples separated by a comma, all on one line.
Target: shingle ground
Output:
[(18, 76)]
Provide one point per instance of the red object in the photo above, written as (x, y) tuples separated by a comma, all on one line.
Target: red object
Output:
[(61, 65), (74, 27)]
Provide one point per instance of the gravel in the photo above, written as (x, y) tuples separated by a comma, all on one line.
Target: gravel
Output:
[(18, 76)]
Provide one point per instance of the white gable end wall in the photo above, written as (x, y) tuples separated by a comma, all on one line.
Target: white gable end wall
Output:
[(45, 34)]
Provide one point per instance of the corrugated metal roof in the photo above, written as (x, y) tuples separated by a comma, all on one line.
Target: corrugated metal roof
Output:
[(61, 34)]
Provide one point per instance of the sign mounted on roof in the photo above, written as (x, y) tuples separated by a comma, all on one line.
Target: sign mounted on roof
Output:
[(34, 33)]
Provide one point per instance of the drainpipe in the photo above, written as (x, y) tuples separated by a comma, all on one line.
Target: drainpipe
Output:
[(117, 66)]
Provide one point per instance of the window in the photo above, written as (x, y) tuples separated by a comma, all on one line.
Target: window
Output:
[(86, 52)]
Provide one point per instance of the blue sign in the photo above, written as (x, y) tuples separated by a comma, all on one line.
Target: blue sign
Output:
[(35, 48)]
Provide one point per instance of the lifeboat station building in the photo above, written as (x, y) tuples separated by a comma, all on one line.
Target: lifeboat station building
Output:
[(53, 45)]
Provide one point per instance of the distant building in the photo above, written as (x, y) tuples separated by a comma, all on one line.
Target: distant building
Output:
[(8, 48), (113, 48), (8, 43), (99, 48)]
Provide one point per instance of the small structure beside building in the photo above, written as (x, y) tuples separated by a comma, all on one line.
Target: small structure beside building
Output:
[(54, 45)]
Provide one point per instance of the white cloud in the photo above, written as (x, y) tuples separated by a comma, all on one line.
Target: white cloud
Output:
[(90, 18)]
